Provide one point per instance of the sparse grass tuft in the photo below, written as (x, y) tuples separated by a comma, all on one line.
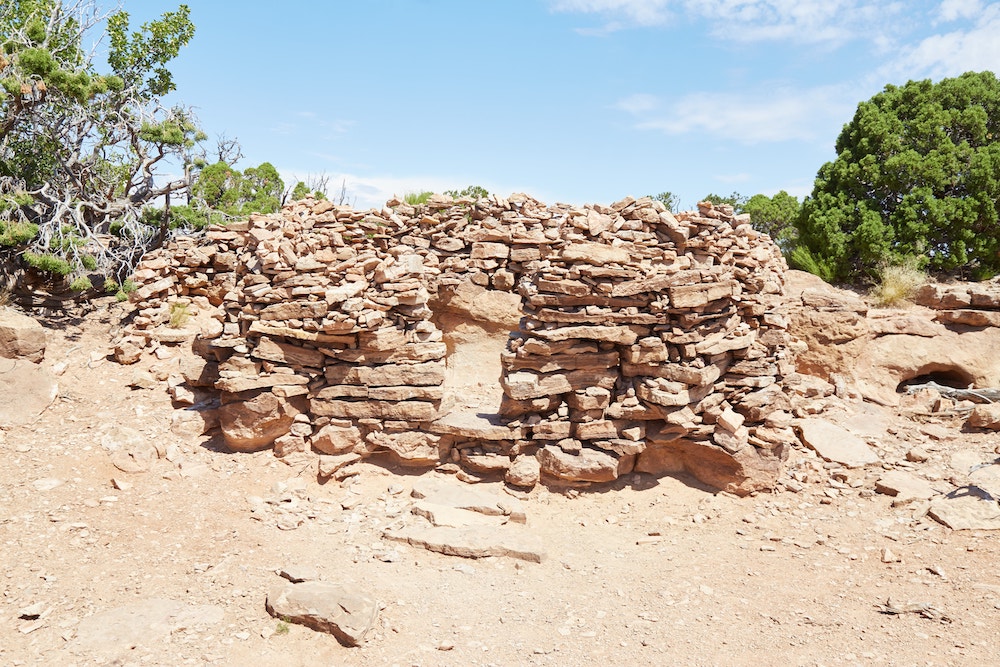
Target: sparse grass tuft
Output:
[(179, 315), (282, 628), (417, 198), (898, 283)]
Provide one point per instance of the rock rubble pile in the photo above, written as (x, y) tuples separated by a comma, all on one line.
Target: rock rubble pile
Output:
[(647, 341)]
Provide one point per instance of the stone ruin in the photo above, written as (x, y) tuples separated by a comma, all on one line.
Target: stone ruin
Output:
[(490, 338)]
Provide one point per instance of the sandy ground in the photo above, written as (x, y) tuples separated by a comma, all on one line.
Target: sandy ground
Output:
[(644, 572)]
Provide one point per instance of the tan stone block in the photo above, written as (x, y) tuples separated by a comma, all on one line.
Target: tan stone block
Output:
[(589, 465), (429, 373), (332, 439), (409, 448), (619, 335), (420, 411), (485, 250), (668, 394), (551, 430), (596, 430), (570, 287), (591, 398), (285, 353), (594, 253), (697, 296), (254, 424)]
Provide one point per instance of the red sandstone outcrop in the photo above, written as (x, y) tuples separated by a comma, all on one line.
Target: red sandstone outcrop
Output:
[(949, 336)]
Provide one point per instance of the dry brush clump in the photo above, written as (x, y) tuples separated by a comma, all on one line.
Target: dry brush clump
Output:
[(898, 284)]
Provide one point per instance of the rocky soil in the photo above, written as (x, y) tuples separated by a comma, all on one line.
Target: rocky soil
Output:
[(172, 564)]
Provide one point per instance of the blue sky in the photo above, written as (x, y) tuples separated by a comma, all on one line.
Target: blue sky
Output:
[(568, 100)]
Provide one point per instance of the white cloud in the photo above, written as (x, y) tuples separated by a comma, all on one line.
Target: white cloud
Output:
[(313, 123), (952, 10), (952, 53), (638, 103), (799, 190), (802, 21), (775, 115), (638, 12)]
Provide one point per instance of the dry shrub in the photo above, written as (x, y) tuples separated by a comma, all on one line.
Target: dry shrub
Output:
[(898, 283)]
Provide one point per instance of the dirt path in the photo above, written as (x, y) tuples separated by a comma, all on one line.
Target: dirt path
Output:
[(645, 572)]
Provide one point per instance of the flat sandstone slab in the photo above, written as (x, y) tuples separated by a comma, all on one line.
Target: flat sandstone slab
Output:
[(472, 541), (144, 623), (967, 508), (834, 443), (463, 497), (904, 486), (478, 425), (342, 611)]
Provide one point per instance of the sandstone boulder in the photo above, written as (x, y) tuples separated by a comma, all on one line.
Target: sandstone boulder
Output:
[(344, 611), (837, 335), (588, 465), (500, 308), (129, 350), (985, 416), (741, 473), (971, 357), (253, 424), (409, 448), (337, 439), (524, 470), (20, 336)]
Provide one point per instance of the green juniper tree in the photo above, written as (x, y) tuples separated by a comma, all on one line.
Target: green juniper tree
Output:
[(775, 216), (81, 150), (917, 175)]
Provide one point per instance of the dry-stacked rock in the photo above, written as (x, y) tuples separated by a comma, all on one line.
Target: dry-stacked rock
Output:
[(647, 341)]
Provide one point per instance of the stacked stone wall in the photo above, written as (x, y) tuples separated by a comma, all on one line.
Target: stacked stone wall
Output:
[(647, 341)]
